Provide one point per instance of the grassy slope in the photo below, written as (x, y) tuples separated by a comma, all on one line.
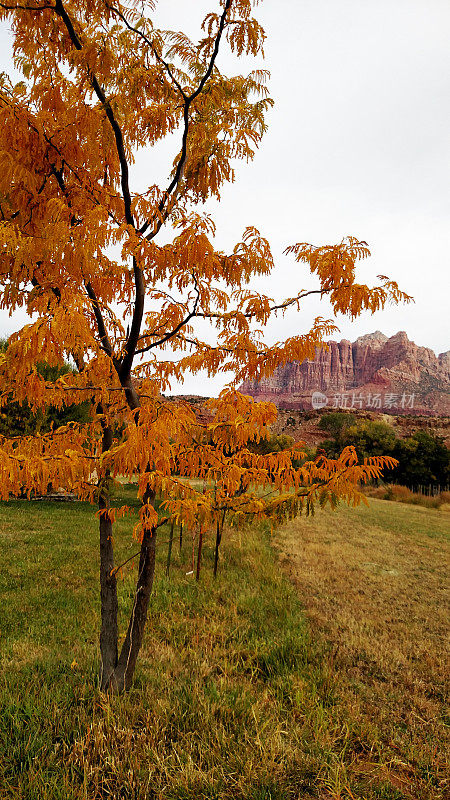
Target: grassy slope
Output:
[(233, 698), (374, 582)]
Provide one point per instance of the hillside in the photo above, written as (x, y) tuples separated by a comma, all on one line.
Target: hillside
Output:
[(303, 425)]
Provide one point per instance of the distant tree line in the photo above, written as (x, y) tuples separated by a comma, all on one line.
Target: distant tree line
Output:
[(19, 420), (424, 459)]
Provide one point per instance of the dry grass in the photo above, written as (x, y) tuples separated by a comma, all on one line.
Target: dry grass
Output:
[(373, 582), (401, 494)]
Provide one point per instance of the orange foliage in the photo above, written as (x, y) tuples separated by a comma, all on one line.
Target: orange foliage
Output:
[(80, 253)]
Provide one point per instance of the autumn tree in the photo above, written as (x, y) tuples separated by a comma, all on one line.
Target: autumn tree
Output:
[(82, 255)]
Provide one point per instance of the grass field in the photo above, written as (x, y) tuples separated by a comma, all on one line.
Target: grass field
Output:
[(248, 687), (374, 582)]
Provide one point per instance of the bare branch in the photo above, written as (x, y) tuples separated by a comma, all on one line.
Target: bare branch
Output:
[(124, 367), (117, 569)]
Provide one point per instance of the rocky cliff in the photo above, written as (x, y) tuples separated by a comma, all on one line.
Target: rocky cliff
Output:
[(393, 375)]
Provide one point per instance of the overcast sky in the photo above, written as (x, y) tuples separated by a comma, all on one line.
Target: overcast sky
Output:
[(358, 143)]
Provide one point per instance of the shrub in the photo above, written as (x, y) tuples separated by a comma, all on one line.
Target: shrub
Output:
[(402, 494)]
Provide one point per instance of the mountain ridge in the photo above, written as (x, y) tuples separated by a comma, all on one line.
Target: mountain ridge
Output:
[(376, 372)]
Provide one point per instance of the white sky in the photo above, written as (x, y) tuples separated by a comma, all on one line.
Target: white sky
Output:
[(358, 143)]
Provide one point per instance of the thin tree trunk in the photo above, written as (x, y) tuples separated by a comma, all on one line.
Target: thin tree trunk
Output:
[(216, 551), (169, 551), (181, 537), (194, 536), (122, 677), (108, 582), (199, 553)]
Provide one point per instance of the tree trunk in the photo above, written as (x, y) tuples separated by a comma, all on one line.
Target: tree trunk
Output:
[(216, 550), (122, 677), (199, 554), (108, 594), (219, 529), (108, 583), (169, 550)]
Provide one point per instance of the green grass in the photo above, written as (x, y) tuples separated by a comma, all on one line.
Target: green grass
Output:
[(210, 714), (236, 695)]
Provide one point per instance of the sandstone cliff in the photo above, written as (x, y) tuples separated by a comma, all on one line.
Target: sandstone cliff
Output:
[(374, 372)]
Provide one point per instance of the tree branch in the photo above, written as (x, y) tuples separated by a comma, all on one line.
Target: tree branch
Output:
[(120, 146), (177, 328), (101, 327), (285, 304), (152, 48), (125, 366), (138, 311), (26, 8), (162, 207)]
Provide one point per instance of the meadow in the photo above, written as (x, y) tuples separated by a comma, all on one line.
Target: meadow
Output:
[(312, 667)]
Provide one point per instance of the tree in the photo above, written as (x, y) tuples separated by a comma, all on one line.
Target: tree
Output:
[(336, 423), (272, 444), (370, 438), (17, 419), (423, 460), (80, 253)]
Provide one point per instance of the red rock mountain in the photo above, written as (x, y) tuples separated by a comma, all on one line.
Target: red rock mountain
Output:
[(390, 375)]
